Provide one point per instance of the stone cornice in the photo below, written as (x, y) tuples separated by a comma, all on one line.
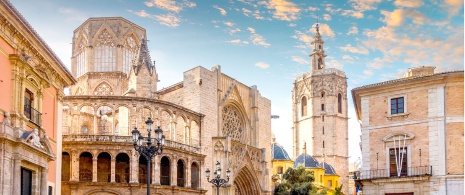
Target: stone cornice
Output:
[(22, 37), (91, 98)]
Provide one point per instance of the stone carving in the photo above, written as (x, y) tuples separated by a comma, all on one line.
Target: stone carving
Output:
[(103, 89), (34, 138), (232, 123)]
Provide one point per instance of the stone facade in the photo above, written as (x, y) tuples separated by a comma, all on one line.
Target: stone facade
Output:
[(412, 133), (32, 79), (320, 121), (205, 118)]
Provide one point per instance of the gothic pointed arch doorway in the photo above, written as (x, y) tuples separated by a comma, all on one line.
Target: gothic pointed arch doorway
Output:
[(246, 183)]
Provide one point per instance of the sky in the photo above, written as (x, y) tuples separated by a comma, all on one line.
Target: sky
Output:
[(267, 42)]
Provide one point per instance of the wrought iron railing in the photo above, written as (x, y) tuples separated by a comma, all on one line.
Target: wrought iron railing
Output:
[(125, 139), (33, 115), (386, 173)]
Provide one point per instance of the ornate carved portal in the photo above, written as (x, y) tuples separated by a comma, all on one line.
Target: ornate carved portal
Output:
[(245, 183)]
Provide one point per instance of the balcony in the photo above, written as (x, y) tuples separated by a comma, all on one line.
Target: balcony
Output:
[(33, 115), (125, 139), (386, 174)]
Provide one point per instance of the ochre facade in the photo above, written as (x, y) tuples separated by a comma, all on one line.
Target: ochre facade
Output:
[(412, 133), (32, 80), (206, 117)]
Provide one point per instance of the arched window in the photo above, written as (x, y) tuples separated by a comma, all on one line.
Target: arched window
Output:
[(339, 103), (322, 94), (103, 167), (280, 170), (84, 130), (320, 64), (180, 179), (81, 60), (85, 167), (65, 166), (122, 168), (165, 171), (304, 106), (105, 53), (142, 170), (194, 176), (129, 53)]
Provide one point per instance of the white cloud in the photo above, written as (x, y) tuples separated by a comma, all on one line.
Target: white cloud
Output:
[(334, 64), (238, 42), (222, 11), (230, 24), (352, 31), (305, 40), (257, 39), (350, 48), (251, 30), (325, 30), (142, 14), (283, 9), (453, 6), (262, 65), (353, 13), (233, 31), (327, 17), (299, 60), (347, 57), (408, 3), (368, 72), (292, 25), (313, 8), (169, 20)]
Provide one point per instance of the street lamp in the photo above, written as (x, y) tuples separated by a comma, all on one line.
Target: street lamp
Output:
[(148, 151), (217, 181)]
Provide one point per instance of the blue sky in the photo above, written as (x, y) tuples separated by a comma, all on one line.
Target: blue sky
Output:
[(266, 42)]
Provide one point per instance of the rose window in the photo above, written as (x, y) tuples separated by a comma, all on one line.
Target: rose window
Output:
[(232, 123)]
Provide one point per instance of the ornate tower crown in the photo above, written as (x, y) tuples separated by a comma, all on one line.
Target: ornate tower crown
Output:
[(318, 54)]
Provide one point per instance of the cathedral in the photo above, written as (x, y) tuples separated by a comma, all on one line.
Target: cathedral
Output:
[(207, 117), (320, 121)]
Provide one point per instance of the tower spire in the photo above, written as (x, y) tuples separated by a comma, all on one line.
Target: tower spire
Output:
[(318, 54)]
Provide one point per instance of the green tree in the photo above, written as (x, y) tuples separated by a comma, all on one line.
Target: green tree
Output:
[(298, 181), (338, 190)]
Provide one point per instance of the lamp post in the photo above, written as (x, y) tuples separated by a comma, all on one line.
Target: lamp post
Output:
[(148, 151), (217, 181)]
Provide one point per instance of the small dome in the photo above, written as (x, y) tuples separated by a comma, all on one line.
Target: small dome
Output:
[(278, 152), (329, 170), (306, 160)]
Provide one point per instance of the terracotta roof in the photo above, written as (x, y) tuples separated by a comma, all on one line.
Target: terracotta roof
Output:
[(403, 79)]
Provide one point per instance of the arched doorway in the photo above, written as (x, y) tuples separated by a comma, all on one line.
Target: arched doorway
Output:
[(246, 183)]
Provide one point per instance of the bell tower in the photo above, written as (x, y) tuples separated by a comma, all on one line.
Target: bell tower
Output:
[(318, 53), (320, 113)]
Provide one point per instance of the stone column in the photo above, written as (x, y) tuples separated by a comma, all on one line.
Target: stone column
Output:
[(74, 164), (187, 175), (156, 170), (16, 177), (134, 167), (94, 169), (43, 181), (174, 172), (113, 161)]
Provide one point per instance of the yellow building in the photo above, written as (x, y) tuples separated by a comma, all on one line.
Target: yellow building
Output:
[(280, 161), (324, 174)]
